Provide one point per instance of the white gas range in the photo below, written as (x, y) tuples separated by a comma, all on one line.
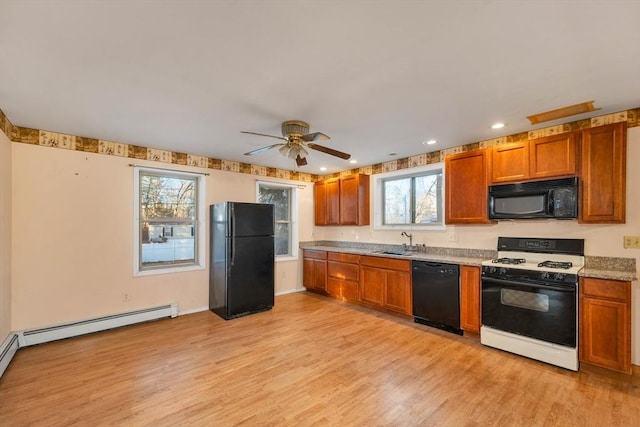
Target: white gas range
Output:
[(529, 299)]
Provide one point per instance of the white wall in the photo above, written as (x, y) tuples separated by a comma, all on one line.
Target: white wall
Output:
[(72, 250), (5, 236), (600, 239)]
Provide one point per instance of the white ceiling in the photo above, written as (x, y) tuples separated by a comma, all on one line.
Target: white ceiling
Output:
[(377, 76)]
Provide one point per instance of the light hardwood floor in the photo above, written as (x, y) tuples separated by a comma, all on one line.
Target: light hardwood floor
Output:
[(311, 361)]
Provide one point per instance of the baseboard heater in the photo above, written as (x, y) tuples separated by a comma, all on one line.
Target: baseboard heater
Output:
[(7, 350), (68, 330)]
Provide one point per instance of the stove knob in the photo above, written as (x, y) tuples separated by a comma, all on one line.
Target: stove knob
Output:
[(545, 275), (492, 269), (558, 276), (503, 270)]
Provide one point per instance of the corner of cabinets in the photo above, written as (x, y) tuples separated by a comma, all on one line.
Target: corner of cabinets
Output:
[(466, 187), (603, 174)]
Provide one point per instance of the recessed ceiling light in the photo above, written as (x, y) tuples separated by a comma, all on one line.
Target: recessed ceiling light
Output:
[(353, 162), (498, 125), (429, 142), (323, 169)]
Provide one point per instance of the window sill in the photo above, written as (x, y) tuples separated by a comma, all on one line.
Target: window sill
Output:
[(286, 258), (167, 270), (412, 227)]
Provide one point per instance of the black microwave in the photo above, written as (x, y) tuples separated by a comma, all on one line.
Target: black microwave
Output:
[(553, 198)]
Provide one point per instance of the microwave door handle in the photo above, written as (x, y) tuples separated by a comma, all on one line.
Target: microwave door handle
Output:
[(551, 201)]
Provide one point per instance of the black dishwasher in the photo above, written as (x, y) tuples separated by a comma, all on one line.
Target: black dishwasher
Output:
[(436, 295)]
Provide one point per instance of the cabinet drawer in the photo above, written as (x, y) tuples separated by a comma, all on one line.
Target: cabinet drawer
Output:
[(338, 256), (386, 263), (314, 254), (343, 271), (605, 288)]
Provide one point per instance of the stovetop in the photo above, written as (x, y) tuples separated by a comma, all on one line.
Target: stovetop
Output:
[(536, 260)]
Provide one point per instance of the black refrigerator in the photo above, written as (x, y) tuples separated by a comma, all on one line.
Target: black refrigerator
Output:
[(241, 273)]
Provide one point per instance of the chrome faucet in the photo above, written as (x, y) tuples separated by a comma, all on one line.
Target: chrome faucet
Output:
[(410, 236)]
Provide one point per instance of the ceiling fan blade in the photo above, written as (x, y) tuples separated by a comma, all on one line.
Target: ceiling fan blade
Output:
[(260, 150), (316, 136), (263, 134), (330, 151), (301, 161)]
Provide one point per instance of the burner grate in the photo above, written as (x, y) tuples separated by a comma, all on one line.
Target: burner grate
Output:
[(506, 260), (556, 264)]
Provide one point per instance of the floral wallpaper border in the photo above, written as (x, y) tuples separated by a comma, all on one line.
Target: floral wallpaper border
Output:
[(91, 145)]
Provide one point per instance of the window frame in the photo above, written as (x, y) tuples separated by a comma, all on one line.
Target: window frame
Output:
[(199, 222), (293, 216), (379, 199)]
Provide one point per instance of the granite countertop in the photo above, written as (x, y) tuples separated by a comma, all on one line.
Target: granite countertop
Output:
[(452, 259), (609, 268), (626, 276)]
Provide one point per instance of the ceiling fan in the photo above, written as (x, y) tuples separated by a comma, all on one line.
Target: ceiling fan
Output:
[(297, 139)]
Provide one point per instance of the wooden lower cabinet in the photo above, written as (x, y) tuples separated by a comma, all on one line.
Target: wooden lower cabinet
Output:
[(343, 275), (605, 323), (314, 270), (470, 299), (386, 283)]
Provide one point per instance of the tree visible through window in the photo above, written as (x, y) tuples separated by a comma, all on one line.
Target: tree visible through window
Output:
[(168, 220), (413, 199), (281, 197)]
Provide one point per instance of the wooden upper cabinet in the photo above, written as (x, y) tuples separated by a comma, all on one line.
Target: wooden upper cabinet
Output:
[(354, 200), (333, 201), (466, 189), (549, 157), (510, 162), (552, 156), (320, 202), (342, 201), (603, 168)]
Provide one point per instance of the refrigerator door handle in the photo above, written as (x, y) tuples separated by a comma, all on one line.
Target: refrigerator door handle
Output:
[(232, 249)]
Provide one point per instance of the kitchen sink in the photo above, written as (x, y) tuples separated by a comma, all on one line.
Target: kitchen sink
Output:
[(398, 253)]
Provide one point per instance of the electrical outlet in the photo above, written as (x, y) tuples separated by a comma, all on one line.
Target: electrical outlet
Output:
[(125, 296), (632, 242), (453, 237)]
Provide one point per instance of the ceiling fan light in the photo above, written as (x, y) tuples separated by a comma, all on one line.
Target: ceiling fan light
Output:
[(293, 152), (283, 150), (303, 153)]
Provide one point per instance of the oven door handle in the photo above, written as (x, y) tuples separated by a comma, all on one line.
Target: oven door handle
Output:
[(507, 283)]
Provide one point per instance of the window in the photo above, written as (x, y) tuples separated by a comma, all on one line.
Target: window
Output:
[(283, 197), (169, 211), (410, 199)]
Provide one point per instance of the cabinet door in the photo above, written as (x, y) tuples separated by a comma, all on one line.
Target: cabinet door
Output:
[(603, 174), (308, 280), (354, 200), (320, 202), (470, 299), (349, 200), (510, 162), (398, 291), (320, 274), (605, 333), (332, 189), (552, 156), (466, 188), (372, 285)]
